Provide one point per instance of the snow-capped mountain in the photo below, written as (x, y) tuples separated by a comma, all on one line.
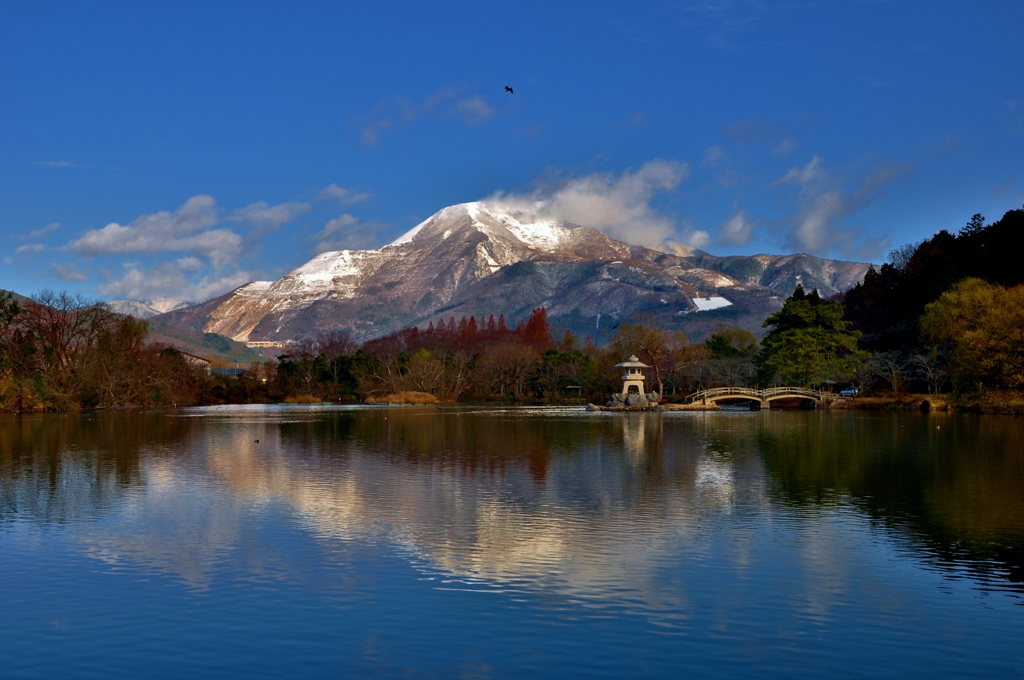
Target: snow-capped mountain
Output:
[(477, 259), (145, 310)]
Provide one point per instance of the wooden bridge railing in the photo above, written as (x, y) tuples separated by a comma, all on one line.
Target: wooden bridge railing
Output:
[(751, 393)]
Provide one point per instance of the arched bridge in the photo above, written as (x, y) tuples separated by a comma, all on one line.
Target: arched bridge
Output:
[(762, 397)]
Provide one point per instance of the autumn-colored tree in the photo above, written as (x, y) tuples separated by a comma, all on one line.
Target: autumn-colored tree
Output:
[(980, 327), (537, 332)]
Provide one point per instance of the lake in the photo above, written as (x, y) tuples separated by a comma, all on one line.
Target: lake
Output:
[(487, 542)]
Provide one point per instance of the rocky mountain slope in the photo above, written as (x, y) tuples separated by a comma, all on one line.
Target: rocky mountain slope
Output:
[(473, 259)]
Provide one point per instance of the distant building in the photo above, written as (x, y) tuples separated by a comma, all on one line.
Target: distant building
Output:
[(192, 360), (258, 344), (229, 372)]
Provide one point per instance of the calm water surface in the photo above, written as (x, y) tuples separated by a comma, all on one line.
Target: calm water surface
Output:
[(509, 542)]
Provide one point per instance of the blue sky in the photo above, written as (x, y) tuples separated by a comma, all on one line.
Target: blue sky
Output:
[(178, 151)]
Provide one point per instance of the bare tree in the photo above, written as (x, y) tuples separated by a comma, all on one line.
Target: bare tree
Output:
[(900, 257), (424, 373), (458, 368), (61, 328), (507, 367), (334, 344), (932, 369), (652, 344), (892, 368)]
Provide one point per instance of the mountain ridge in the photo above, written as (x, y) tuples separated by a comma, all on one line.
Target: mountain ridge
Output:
[(477, 259)]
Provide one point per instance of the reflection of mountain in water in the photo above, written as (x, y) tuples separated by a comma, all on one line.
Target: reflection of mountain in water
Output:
[(499, 498), (579, 504)]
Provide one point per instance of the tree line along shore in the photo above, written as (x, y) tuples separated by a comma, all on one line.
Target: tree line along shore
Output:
[(941, 321)]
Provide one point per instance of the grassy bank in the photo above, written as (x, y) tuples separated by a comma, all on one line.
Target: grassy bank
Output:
[(1008, 403)]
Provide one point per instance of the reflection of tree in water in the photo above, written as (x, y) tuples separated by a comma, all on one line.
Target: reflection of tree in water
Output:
[(57, 467), (954, 485), (510, 494), (467, 443), (578, 502)]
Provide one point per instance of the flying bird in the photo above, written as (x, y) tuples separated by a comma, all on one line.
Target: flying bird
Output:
[(509, 90)]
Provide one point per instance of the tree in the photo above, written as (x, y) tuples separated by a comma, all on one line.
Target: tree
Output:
[(809, 342), (9, 312), (507, 367), (889, 303), (424, 373), (538, 332), (982, 325), (931, 368), (652, 345), (891, 367), (975, 226), (334, 344)]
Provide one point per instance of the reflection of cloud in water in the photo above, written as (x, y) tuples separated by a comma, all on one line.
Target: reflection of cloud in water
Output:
[(595, 508), (606, 518), (715, 479), (176, 526)]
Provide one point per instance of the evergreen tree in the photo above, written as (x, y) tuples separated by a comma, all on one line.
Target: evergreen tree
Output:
[(809, 342)]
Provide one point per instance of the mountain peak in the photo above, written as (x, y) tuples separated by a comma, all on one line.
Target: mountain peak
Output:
[(487, 257), (494, 222)]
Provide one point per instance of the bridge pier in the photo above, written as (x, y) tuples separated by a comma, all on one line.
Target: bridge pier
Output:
[(765, 405)]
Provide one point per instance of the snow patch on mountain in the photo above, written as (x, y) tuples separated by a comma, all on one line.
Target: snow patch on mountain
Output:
[(543, 235), (254, 288), (705, 304), (336, 274)]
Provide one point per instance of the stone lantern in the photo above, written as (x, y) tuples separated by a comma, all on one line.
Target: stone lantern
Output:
[(633, 376)]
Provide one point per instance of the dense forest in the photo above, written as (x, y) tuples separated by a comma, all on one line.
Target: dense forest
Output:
[(944, 315), (947, 314)]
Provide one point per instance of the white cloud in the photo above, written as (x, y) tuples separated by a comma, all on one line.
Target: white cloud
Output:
[(343, 196), (736, 230), (266, 218), (805, 177), (695, 238), (172, 280), (65, 164), (30, 249), (784, 147), (67, 272), (824, 204), (618, 206), (39, 233), (474, 110), (346, 232), (187, 229), (370, 134), (713, 156), (447, 101)]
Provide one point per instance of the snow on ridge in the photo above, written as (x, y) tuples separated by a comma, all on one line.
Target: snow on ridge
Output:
[(330, 265), (539, 234), (408, 236), (254, 288)]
